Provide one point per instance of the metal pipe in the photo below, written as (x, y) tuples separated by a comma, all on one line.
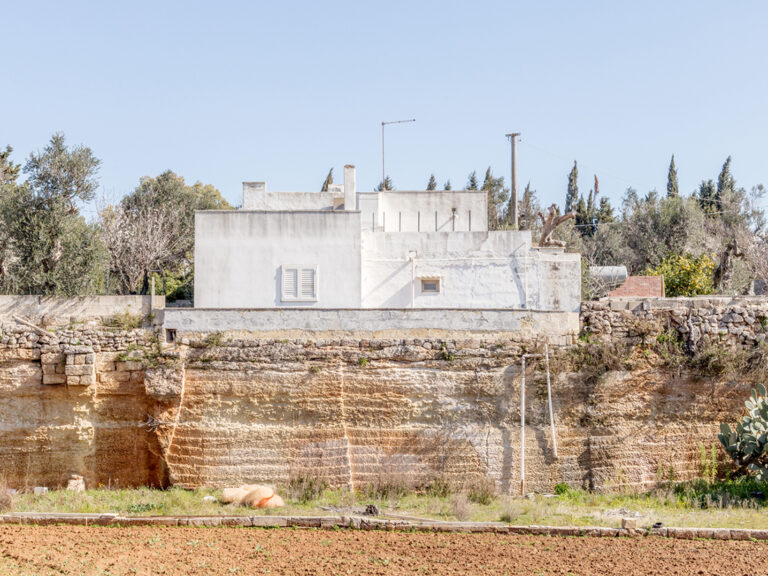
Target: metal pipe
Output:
[(549, 399), (522, 432)]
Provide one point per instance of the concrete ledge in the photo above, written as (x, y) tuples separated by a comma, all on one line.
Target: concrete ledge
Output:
[(373, 523), (533, 324)]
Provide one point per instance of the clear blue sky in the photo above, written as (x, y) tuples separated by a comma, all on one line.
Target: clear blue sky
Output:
[(223, 92)]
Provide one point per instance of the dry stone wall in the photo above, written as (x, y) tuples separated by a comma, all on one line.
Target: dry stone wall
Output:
[(697, 322), (220, 409)]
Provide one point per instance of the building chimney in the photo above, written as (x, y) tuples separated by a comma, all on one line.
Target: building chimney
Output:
[(253, 194), (350, 191)]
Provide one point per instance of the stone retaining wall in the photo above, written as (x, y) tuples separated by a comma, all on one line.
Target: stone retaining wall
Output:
[(697, 322)]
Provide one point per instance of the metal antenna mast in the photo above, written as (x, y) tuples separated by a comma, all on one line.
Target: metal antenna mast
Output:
[(383, 170)]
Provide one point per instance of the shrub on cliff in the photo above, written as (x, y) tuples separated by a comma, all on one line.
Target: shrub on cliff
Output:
[(685, 275), (746, 445)]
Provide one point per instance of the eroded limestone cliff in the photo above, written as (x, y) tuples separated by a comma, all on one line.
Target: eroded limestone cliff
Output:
[(632, 405)]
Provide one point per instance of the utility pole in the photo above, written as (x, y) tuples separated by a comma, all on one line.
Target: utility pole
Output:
[(383, 169), (513, 200)]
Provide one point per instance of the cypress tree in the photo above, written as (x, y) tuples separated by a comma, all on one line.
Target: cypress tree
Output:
[(582, 217), (447, 185), (386, 185), (707, 197), (572, 197), (529, 208), (726, 184), (672, 188), (432, 184), (472, 181), (328, 181), (605, 211), (497, 197)]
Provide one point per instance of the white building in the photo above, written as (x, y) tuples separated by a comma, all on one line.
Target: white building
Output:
[(389, 249)]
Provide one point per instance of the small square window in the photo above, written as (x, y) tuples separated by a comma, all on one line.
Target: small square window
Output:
[(430, 285), (298, 284)]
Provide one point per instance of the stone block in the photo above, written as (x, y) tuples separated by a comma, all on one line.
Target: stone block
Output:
[(76, 483), (112, 377), (83, 370), (200, 521), (146, 521), (164, 382), (629, 523), (51, 358), (85, 380), (54, 379), (129, 366), (78, 359), (49, 368), (105, 366), (300, 521), (269, 521), (236, 521)]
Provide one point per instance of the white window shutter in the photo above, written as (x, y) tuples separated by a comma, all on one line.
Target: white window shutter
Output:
[(290, 283), (308, 283)]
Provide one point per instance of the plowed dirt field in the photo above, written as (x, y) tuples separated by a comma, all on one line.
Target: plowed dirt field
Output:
[(152, 551)]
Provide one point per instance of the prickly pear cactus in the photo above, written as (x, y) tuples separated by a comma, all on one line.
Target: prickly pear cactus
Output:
[(748, 443)]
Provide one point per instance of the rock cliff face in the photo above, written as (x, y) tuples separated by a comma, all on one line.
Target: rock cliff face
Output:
[(224, 409), (273, 411), (69, 405)]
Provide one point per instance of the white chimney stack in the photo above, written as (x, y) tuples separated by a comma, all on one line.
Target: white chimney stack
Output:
[(254, 194), (350, 191)]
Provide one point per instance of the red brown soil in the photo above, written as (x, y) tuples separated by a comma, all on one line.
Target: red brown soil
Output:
[(212, 551)]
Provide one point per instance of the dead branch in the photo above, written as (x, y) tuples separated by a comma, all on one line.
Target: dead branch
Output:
[(550, 223)]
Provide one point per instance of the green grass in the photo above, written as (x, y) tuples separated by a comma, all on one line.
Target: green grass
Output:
[(727, 504)]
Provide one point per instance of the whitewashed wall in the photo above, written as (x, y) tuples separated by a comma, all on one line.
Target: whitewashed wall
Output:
[(416, 210), (239, 254), (476, 270), (260, 199)]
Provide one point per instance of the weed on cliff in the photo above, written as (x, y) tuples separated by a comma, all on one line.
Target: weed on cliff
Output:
[(445, 354), (593, 357), (213, 340), (731, 362), (124, 321)]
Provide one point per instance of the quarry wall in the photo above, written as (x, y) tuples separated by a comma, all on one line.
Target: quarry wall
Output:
[(118, 405)]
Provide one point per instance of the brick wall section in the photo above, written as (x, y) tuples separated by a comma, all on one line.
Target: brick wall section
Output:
[(640, 287)]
